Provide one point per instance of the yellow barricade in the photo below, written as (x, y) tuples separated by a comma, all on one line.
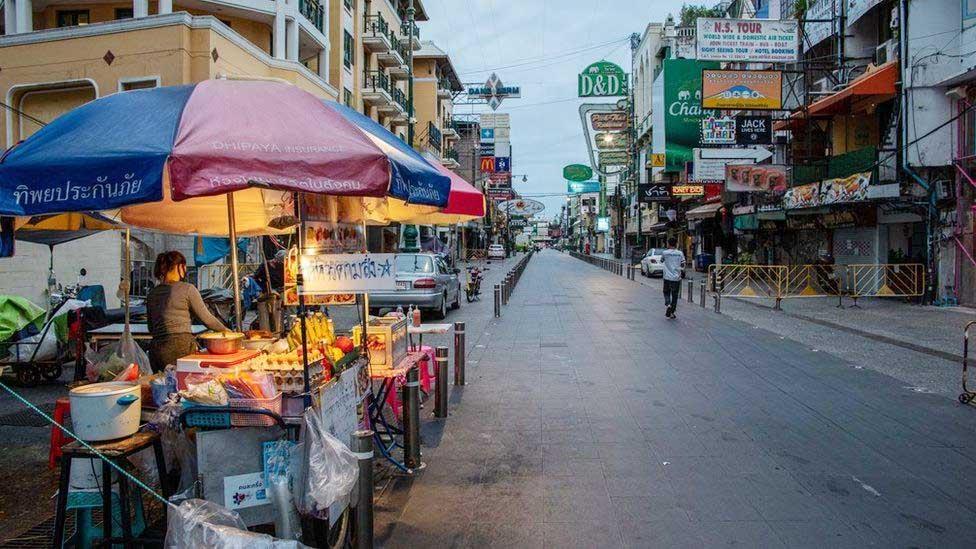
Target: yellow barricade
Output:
[(814, 280), (887, 280), (748, 280)]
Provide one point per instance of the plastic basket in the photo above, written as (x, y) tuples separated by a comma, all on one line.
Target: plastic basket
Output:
[(255, 420), (208, 419)]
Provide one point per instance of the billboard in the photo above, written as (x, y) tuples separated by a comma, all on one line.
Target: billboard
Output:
[(613, 158), (757, 40), (577, 172), (602, 224), (609, 141), (688, 190), (494, 92), (487, 164), (579, 187), (821, 11), (610, 121), (744, 178), (718, 131), (746, 90), (676, 107), (521, 206)]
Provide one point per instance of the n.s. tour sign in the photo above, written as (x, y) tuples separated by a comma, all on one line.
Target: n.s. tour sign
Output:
[(758, 40), (603, 79)]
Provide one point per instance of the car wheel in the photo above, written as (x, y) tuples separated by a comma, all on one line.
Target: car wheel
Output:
[(441, 311), (457, 299)]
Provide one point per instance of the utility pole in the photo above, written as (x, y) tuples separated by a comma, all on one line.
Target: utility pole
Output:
[(635, 156), (411, 28)]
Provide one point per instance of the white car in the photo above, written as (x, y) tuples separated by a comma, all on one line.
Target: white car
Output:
[(496, 251), (652, 264)]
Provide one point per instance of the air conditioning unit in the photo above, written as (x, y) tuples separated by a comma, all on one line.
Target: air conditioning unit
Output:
[(943, 189), (886, 51)]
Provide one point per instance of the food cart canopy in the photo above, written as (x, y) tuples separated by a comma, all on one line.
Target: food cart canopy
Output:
[(212, 138), (51, 230), (465, 203)]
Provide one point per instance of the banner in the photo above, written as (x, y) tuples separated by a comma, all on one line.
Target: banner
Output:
[(653, 192), (676, 100), (804, 196), (853, 188), (753, 130), (746, 90), (757, 40), (579, 187), (770, 178), (815, 33), (348, 273)]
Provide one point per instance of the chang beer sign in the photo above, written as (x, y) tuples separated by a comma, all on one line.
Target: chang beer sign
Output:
[(683, 113), (603, 79)]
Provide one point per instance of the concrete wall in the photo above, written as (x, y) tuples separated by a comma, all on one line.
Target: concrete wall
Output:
[(25, 274)]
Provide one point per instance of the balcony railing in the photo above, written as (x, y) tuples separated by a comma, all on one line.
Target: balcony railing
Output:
[(841, 165), (376, 81), (434, 136), (400, 98), (452, 154), (405, 31), (314, 12), (375, 25)]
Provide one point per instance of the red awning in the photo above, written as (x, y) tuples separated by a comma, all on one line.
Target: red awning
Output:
[(862, 94), (464, 199)]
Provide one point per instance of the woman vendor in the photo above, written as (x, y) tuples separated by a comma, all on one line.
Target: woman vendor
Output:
[(168, 308)]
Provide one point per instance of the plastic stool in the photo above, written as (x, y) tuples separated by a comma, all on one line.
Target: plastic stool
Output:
[(62, 407), (83, 502), (428, 374)]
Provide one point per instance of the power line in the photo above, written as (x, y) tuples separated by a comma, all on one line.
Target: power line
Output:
[(539, 59)]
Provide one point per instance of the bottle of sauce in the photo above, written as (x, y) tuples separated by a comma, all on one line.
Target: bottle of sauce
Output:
[(416, 317)]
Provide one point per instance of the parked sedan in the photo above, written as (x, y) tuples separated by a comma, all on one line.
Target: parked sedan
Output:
[(422, 280), (653, 265), (496, 251)]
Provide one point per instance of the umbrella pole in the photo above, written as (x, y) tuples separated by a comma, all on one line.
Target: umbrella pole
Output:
[(128, 277), (300, 287), (232, 229)]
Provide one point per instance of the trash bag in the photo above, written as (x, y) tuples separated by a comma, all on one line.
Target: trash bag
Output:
[(112, 360), (331, 468), (199, 523)]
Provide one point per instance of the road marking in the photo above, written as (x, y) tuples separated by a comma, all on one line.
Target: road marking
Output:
[(867, 488)]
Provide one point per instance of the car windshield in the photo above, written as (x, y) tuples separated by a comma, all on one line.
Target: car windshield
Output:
[(653, 251), (495, 247), (414, 264)]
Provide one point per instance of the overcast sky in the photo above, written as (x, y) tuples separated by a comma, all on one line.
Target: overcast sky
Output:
[(541, 46)]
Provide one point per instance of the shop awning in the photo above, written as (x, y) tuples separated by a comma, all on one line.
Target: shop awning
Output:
[(864, 91), (748, 222), (703, 212), (658, 228)]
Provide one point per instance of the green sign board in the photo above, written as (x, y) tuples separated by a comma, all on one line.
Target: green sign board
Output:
[(614, 158), (577, 172), (578, 187), (682, 110), (611, 141), (604, 79)]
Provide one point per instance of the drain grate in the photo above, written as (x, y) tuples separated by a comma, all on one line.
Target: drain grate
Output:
[(42, 534), (27, 418)]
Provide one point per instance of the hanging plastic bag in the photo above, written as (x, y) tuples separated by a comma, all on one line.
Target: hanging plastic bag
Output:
[(199, 523), (114, 359), (178, 450), (331, 471)]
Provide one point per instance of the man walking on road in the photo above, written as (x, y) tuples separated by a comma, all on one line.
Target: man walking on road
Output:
[(673, 261)]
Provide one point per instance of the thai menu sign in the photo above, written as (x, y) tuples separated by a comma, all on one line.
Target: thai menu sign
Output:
[(348, 273), (758, 40)]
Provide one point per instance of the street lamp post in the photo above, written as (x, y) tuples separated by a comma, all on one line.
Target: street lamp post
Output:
[(411, 22)]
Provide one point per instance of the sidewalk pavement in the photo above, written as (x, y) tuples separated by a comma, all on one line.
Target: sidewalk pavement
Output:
[(590, 420)]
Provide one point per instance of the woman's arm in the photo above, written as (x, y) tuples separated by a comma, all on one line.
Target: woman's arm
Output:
[(199, 309)]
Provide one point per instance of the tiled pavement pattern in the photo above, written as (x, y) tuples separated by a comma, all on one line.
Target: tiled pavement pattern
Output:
[(590, 420)]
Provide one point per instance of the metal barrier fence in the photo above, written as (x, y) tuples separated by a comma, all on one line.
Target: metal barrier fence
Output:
[(218, 275), (795, 281), (470, 254), (607, 264), (504, 290)]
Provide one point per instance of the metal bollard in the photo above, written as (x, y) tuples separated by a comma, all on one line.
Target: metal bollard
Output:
[(498, 300), (505, 292), (691, 291), (410, 396), (459, 353), (701, 292), (440, 397), (718, 302), (362, 446)]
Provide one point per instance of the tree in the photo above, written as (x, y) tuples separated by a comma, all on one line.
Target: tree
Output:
[(690, 12)]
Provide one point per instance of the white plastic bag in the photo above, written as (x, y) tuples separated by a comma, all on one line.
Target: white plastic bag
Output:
[(199, 523), (331, 471), (110, 361)]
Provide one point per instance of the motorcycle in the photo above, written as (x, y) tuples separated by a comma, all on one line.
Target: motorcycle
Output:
[(473, 290)]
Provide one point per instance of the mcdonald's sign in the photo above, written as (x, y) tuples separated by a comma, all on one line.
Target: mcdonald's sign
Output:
[(487, 164)]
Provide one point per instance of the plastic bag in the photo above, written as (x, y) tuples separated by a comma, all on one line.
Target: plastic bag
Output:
[(178, 450), (204, 389), (112, 360), (199, 523), (331, 471)]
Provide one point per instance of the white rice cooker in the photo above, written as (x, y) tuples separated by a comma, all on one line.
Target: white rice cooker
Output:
[(105, 411)]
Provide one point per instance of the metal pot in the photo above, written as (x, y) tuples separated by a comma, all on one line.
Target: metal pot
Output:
[(223, 343), (105, 411)]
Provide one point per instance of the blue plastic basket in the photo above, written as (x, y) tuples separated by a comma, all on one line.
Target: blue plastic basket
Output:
[(208, 419)]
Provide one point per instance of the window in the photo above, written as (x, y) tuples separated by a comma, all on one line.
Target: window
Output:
[(347, 49), (72, 18), (139, 83), (123, 13), (347, 97)]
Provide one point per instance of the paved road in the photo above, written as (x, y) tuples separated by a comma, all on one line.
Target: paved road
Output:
[(590, 420)]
